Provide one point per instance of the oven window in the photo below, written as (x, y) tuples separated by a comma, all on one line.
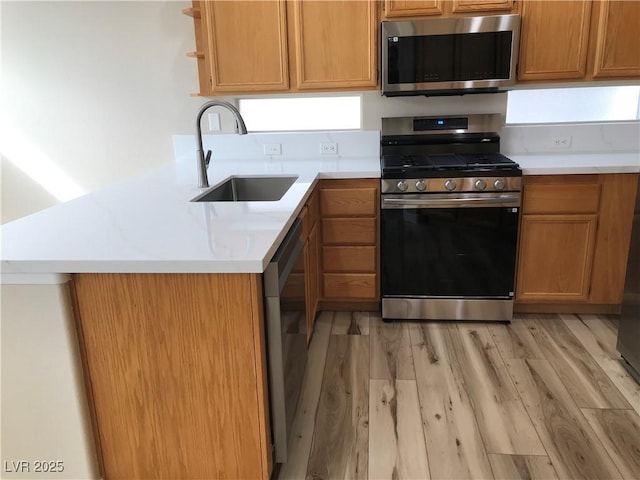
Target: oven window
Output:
[(449, 58), (449, 252)]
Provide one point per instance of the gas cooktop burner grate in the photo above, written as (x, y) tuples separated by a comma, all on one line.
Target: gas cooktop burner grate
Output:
[(425, 165), (452, 161)]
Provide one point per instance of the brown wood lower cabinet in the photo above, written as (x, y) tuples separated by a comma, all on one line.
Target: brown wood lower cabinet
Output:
[(556, 254), (350, 214), (176, 373), (574, 240)]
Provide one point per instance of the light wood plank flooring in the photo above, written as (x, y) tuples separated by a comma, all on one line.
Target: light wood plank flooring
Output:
[(542, 398)]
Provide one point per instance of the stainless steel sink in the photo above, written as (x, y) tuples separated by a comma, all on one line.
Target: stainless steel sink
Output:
[(247, 189)]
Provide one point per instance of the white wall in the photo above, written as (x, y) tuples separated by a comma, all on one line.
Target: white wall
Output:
[(44, 409), (96, 88)]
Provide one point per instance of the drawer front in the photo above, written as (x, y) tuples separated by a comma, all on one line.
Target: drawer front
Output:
[(349, 286), (349, 231), (558, 198), (349, 259), (337, 202)]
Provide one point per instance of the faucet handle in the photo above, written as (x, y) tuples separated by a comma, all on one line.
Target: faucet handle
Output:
[(207, 159)]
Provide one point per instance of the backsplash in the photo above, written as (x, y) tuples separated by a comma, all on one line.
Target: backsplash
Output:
[(294, 147), (571, 138)]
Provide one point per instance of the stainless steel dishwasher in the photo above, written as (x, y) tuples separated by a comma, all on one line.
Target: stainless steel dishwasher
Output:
[(286, 331)]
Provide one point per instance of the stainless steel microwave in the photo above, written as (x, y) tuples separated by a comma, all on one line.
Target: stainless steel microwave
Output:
[(450, 55)]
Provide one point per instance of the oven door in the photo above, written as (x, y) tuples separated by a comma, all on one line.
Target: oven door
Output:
[(447, 256)]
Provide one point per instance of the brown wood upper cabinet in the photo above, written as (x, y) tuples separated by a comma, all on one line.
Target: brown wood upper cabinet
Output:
[(248, 46), (574, 239), (263, 46), (579, 39), (419, 8), (617, 49), (335, 44)]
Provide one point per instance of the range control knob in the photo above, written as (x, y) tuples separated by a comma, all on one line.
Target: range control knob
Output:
[(480, 184), (450, 185), (402, 186), (499, 184), (421, 186)]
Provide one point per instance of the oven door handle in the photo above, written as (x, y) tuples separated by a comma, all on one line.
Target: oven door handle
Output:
[(419, 201)]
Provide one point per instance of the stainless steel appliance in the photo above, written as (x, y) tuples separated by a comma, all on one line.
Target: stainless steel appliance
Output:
[(449, 56), (449, 221), (629, 331), (286, 336)]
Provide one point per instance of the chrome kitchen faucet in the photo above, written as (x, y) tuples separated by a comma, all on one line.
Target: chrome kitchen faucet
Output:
[(203, 162)]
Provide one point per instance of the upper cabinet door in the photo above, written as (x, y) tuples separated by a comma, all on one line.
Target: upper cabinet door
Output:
[(617, 45), (335, 44), (554, 39), (471, 6), (248, 46), (409, 8)]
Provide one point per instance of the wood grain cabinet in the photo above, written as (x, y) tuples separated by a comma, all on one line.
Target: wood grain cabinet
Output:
[(247, 43), (579, 40), (263, 46), (335, 44), (176, 374), (349, 212), (311, 255), (615, 40), (445, 8), (574, 239)]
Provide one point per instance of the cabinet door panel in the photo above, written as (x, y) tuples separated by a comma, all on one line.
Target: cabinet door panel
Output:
[(408, 8), (312, 266), (555, 257), (335, 44), (248, 45), (613, 237), (464, 6), (617, 45), (554, 40)]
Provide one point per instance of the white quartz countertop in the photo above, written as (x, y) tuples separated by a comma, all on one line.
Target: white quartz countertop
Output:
[(567, 163), (147, 224)]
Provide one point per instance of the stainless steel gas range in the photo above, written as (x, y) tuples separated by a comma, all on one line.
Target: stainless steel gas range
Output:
[(449, 222)]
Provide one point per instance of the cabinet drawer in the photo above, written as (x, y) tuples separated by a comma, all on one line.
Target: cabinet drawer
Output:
[(337, 202), (349, 231), (349, 259), (559, 198), (349, 285)]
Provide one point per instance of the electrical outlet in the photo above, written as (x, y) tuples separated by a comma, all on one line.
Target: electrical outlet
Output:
[(328, 148), (214, 121), (272, 149), (561, 141)]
